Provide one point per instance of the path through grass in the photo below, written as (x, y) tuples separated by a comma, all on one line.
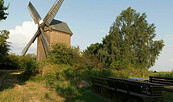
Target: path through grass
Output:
[(37, 90)]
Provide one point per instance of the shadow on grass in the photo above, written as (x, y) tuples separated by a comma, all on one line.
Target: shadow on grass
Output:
[(168, 96), (72, 94), (12, 78)]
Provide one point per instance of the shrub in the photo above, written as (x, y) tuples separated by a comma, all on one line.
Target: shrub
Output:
[(27, 63), (60, 54)]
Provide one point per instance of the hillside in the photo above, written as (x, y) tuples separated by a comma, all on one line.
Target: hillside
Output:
[(36, 89)]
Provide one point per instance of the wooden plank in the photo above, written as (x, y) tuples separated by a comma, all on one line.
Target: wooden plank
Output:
[(161, 77), (137, 82), (162, 82)]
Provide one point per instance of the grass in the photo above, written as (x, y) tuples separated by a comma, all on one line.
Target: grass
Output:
[(16, 90), (30, 92), (165, 74), (58, 84), (10, 80), (168, 96), (67, 88), (1, 73), (72, 94), (43, 89)]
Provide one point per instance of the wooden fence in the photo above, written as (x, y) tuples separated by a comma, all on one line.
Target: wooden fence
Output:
[(124, 90)]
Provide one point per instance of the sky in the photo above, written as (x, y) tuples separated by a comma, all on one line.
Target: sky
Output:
[(90, 21)]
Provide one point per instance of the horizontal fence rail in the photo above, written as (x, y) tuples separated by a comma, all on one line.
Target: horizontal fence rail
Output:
[(164, 81), (116, 88)]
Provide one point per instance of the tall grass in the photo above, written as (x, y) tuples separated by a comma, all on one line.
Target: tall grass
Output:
[(63, 79)]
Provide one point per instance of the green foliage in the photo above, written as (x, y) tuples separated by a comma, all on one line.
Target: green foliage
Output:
[(4, 34), (93, 49), (3, 15), (119, 65), (77, 74), (165, 74), (4, 45), (130, 41), (27, 63), (60, 54)]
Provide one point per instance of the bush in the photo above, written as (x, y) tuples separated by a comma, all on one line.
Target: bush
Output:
[(60, 54), (27, 63)]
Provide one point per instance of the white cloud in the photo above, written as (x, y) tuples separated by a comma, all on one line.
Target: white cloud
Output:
[(21, 35)]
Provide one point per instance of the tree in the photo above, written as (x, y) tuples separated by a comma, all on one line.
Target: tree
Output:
[(4, 45), (130, 41), (3, 14), (93, 48), (4, 34)]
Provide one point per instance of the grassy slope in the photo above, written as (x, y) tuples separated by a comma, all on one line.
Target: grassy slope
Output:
[(39, 89), (30, 92), (15, 90), (48, 89)]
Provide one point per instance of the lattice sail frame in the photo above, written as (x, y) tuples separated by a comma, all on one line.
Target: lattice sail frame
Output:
[(52, 12), (35, 15)]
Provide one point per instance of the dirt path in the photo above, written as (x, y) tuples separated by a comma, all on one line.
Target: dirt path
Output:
[(30, 91), (5, 72)]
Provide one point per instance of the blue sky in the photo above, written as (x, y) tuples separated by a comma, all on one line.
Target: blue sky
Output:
[(90, 20)]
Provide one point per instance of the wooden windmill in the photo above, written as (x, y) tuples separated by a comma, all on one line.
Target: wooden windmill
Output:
[(49, 32)]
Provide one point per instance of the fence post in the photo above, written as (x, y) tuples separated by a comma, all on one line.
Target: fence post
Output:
[(150, 79)]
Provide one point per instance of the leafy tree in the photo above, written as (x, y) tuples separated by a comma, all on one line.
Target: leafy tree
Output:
[(93, 48), (130, 41), (4, 45), (3, 14), (91, 53), (4, 34)]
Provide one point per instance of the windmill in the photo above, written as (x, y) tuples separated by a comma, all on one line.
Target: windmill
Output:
[(50, 31)]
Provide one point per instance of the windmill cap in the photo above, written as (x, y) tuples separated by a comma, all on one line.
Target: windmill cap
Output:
[(60, 26)]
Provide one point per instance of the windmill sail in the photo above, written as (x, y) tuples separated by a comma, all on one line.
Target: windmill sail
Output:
[(53, 11), (35, 15), (30, 42), (47, 20), (44, 42)]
